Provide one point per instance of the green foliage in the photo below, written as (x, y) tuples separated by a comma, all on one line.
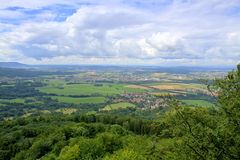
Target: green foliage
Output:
[(209, 133), (70, 153), (125, 154)]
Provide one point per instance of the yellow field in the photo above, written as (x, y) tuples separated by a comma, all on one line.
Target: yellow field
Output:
[(179, 86), (138, 87), (158, 75), (163, 94), (67, 110)]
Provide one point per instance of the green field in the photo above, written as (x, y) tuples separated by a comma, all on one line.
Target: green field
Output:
[(116, 106), (198, 103), (22, 100), (1, 105), (18, 100), (79, 100), (87, 89)]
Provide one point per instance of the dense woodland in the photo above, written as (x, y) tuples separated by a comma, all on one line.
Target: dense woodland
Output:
[(181, 133)]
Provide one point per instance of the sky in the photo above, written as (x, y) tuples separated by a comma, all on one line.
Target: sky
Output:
[(124, 32)]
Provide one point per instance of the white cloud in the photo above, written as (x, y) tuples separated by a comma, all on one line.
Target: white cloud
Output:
[(191, 32)]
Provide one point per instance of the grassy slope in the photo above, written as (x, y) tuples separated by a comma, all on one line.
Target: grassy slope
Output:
[(198, 103), (116, 106)]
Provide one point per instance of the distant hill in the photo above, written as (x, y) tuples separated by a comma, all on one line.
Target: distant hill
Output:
[(12, 65), (123, 68)]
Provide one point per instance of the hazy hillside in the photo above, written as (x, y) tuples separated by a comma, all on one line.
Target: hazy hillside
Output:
[(12, 65)]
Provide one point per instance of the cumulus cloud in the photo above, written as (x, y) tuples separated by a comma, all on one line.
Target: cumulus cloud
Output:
[(158, 33)]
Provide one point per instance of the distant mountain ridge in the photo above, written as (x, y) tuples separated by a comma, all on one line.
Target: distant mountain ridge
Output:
[(171, 69), (12, 65)]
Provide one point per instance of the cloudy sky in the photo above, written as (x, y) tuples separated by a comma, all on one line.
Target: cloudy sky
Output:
[(130, 32)]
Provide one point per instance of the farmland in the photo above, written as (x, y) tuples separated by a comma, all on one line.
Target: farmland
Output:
[(198, 103), (117, 106), (87, 89), (97, 90), (172, 87), (66, 110), (79, 100), (18, 100)]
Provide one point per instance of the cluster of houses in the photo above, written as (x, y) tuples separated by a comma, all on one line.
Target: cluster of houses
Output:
[(143, 100)]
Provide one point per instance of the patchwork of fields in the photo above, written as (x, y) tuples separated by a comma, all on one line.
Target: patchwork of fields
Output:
[(98, 93), (95, 92), (88, 89)]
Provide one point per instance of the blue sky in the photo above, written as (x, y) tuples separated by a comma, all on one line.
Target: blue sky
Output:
[(130, 32)]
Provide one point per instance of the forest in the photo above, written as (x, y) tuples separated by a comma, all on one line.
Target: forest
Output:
[(182, 132)]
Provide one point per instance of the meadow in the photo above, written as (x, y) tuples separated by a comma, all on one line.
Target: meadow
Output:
[(116, 106), (87, 89), (79, 100), (1, 105), (201, 103), (17, 100)]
